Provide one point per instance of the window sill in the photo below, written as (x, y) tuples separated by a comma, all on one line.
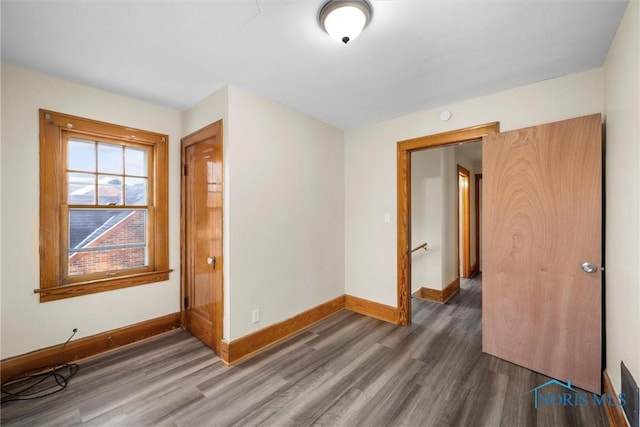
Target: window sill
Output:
[(95, 286)]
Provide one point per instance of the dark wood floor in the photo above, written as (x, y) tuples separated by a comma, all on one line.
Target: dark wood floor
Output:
[(348, 370)]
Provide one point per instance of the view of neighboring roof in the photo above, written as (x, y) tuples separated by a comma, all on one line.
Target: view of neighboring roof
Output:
[(86, 225)]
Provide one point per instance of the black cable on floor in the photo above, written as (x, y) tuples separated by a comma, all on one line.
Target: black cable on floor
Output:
[(54, 379)]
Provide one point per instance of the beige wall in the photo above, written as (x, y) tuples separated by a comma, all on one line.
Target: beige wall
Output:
[(449, 223), (26, 323), (284, 204), (433, 217), (622, 229), (370, 172), (286, 209), (427, 214), (211, 109)]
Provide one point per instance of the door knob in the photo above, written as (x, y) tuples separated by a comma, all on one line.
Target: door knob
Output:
[(589, 267), (212, 260)]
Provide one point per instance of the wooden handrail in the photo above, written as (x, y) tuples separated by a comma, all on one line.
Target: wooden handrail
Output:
[(424, 245)]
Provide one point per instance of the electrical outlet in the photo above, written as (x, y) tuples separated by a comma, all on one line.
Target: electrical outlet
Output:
[(255, 316)]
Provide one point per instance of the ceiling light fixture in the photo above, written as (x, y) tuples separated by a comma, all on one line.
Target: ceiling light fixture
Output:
[(344, 20)]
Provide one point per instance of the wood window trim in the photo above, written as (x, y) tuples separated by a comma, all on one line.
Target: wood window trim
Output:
[(52, 159)]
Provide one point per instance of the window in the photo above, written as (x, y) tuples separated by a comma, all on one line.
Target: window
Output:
[(103, 206)]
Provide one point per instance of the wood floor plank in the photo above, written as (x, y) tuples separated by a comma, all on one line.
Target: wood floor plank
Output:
[(348, 370)]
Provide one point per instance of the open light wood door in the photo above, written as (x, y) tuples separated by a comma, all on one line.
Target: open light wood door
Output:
[(542, 221), (202, 234)]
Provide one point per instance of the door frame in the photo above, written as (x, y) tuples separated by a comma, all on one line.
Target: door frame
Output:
[(213, 130), (462, 222), (404, 150)]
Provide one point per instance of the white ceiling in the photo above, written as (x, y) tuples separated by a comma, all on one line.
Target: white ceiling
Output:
[(473, 150), (413, 55)]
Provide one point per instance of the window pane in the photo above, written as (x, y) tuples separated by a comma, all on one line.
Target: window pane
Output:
[(135, 191), (81, 155), (110, 158), (107, 260), (109, 190), (107, 240), (81, 189), (135, 161)]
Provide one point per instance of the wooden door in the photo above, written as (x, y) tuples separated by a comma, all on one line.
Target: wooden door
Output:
[(202, 234), (542, 195)]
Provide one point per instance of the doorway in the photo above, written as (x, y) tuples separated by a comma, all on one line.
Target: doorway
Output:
[(542, 251), (404, 150), (201, 235), (477, 267)]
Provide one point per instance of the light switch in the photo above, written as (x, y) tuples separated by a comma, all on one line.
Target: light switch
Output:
[(387, 217)]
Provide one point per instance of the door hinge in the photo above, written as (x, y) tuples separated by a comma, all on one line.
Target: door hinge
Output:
[(185, 170), (186, 302)]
